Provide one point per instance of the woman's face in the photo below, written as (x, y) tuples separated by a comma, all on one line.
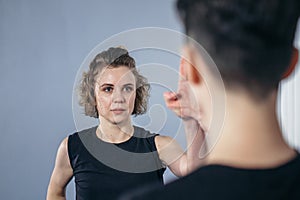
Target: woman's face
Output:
[(115, 94)]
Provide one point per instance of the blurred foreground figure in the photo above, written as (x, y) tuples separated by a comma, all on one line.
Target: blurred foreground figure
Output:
[(251, 43)]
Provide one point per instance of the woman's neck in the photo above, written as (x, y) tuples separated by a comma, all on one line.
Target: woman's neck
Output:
[(114, 133)]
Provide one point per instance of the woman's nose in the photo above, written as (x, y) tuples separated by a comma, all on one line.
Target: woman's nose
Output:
[(118, 96)]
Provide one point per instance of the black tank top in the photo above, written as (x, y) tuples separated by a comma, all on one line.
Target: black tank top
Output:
[(105, 171)]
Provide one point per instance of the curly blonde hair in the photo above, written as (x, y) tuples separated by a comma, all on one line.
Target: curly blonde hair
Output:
[(112, 58)]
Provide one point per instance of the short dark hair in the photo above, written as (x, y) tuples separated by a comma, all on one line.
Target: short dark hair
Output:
[(250, 41), (112, 58)]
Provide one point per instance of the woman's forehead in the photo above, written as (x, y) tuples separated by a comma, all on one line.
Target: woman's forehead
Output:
[(116, 76)]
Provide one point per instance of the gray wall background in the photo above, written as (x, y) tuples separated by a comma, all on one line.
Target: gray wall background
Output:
[(42, 45)]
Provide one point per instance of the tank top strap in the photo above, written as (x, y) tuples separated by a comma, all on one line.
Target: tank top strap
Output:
[(146, 135), (75, 145), (73, 142), (140, 132)]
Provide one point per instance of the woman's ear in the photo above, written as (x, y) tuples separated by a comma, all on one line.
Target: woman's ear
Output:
[(293, 63), (188, 69)]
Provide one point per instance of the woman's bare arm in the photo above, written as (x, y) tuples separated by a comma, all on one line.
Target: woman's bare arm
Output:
[(61, 175)]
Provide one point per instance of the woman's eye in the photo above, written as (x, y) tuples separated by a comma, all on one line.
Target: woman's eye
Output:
[(128, 89), (108, 89)]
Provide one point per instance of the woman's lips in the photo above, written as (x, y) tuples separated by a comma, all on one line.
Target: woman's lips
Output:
[(118, 110)]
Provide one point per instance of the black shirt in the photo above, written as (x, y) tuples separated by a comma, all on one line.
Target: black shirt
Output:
[(223, 182), (104, 171)]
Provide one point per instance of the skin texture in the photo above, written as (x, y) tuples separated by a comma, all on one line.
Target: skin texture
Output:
[(115, 94)]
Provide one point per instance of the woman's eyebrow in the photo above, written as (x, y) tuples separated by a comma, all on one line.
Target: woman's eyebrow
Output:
[(128, 84), (106, 85)]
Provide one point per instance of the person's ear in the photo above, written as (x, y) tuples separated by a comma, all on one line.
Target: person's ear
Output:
[(188, 69), (293, 63)]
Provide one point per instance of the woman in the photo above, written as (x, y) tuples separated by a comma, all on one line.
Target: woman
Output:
[(115, 156)]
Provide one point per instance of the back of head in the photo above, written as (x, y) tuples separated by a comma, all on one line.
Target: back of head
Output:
[(251, 41)]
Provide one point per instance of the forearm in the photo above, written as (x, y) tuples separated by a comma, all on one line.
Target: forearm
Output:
[(195, 139), (55, 195), (57, 186)]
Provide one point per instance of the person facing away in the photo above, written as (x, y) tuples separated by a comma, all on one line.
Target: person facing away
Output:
[(251, 43), (114, 156)]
